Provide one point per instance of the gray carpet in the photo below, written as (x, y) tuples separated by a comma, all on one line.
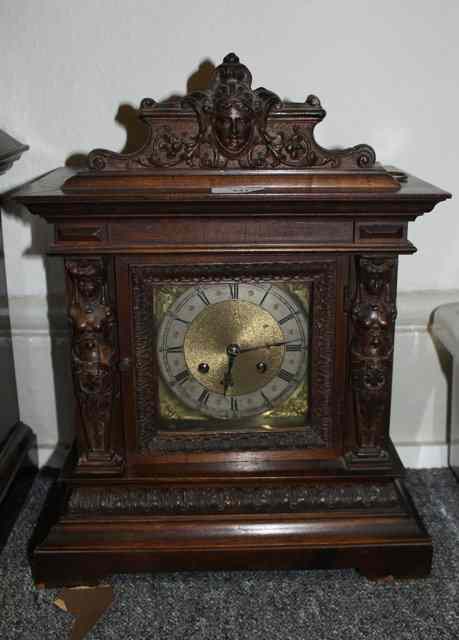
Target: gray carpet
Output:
[(270, 605)]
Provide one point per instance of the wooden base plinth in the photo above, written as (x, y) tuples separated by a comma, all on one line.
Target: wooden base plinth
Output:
[(368, 525)]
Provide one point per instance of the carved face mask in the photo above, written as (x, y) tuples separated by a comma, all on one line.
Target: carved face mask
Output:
[(88, 287), (233, 126), (374, 277)]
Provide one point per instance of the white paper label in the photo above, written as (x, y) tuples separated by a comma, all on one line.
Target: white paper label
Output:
[(235, 189)]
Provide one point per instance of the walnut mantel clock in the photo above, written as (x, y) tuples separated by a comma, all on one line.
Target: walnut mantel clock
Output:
[(232, 297)]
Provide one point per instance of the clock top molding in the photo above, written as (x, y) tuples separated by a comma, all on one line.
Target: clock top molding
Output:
[(231, 126), (228, 146)]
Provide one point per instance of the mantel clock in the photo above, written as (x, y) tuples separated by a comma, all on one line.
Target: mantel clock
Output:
[(232, 297)]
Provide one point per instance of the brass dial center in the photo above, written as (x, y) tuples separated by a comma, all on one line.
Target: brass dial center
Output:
[(225, 329)]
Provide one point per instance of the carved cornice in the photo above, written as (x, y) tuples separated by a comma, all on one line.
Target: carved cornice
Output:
[(231, 126)]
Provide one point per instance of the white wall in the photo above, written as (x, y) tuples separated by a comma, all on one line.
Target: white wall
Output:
[(385, 72)]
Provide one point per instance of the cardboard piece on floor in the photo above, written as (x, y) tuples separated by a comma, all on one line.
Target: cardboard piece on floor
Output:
[(87, 604)]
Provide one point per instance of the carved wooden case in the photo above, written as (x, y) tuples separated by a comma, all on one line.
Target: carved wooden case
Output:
[(231, 189)]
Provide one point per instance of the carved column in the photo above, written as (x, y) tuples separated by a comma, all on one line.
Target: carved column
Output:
[(373, 316), (94, 362)]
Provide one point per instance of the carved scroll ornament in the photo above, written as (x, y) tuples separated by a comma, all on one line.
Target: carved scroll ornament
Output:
[(231, 125), (93, 357), (373, 320)]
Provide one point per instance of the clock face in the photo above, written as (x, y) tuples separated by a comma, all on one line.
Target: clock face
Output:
[(234, 350)]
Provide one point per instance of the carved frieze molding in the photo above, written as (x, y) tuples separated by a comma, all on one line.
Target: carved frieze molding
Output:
[(232, 126), (94, 360), (371, 356), (318, 433), (297, 498)]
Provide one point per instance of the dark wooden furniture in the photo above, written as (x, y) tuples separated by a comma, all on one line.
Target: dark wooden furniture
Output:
[(231, 190), (445, 330), (16, 439)]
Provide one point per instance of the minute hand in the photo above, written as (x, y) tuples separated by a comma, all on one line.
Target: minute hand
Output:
[(268, 345)]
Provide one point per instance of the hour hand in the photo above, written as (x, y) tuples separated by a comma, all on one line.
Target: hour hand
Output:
[(232, 350), (227, 379)]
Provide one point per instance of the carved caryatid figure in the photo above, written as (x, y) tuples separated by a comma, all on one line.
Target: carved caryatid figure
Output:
[(373, 319), (93, 353)]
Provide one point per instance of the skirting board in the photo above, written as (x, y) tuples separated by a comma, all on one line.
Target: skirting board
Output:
[(423, 456), (52, 456)]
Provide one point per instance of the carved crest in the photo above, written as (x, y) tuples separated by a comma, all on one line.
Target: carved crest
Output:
[(231, 126)]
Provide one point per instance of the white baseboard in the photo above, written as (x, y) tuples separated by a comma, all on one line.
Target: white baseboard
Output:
[(423, 456), (51, 455), (419, 401)]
